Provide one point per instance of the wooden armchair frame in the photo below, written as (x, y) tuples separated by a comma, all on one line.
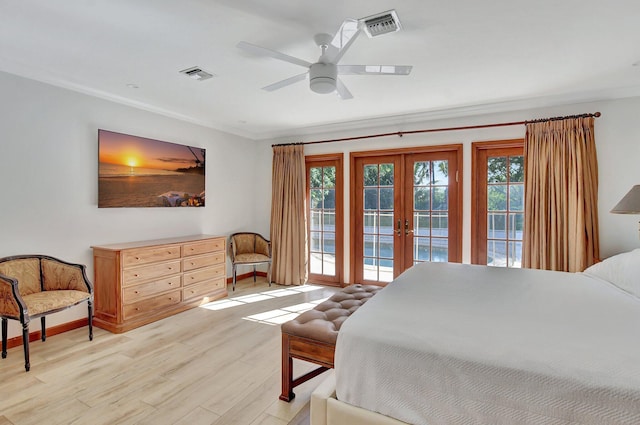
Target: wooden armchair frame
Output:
[(54, 295), (261, 247)]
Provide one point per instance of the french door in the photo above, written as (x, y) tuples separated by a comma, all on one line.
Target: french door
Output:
[(405, 210)]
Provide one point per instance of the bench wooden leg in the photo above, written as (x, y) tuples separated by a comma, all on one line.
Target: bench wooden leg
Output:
[(287, 371)]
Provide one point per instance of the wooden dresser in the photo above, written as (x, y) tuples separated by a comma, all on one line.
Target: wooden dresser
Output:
[(140, 282)]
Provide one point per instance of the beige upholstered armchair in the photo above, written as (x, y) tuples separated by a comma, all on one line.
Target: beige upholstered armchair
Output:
[(249, 249), (33, 286)]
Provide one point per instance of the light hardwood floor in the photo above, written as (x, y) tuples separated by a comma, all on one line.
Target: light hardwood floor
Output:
[(217, 365)]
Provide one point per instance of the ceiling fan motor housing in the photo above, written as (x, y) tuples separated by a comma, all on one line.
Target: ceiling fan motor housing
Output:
[(322, 77)]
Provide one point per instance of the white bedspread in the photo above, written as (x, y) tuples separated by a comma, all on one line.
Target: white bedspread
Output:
[(462, 344)]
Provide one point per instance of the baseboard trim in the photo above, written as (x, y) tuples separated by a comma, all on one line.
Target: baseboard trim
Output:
[(51, 331)]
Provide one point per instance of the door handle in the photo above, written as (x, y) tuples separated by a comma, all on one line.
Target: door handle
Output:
[(406, 227), (399, 227)]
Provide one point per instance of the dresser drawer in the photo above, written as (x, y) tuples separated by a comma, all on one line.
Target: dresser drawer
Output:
[(203, 288), (203, 274), (136, 275), (202, 247), (137, 292), (135, 257), (197, 262), (152, 304)]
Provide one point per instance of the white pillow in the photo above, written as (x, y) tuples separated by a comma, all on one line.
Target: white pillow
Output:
[(623, 270)]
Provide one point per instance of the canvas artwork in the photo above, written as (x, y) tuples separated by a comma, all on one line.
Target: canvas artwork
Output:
[(139, 172)]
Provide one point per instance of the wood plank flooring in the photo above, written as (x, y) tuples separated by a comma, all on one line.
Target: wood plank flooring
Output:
[(216, 365)]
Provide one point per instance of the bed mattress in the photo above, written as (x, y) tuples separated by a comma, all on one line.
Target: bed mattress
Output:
[(463, 344)]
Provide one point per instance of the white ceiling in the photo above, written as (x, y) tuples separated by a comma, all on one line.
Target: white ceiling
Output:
[(467, 55)]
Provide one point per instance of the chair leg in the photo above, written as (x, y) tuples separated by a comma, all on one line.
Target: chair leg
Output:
[(43, 328), (4, 338), (90, 320), (234, 277), (269, 273), (254, 274), (25, 344)]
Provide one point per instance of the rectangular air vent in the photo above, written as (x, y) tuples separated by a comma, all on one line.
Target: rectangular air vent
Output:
[(381, 23), (196, 73)]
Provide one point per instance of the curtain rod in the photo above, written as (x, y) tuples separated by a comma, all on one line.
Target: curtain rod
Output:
[(434, 130)]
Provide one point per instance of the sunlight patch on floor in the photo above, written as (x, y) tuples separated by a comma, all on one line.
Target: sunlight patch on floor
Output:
[(259, 296), (284, 314)]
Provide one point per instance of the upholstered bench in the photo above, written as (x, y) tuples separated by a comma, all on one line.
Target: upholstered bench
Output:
[(312, 335)]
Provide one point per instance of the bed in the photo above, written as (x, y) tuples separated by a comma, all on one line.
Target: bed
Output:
[(463, 344)]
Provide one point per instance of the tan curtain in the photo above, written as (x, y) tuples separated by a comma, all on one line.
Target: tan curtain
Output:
[(561, 195), (288, 222)]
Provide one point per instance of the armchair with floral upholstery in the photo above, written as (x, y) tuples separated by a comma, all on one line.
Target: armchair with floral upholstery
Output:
[(33, 286), (249, 249)]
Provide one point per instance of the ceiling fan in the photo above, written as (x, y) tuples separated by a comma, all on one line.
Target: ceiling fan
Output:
[(323, 75)]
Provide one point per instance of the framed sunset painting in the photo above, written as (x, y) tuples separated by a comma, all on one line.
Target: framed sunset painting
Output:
[(139, 172)]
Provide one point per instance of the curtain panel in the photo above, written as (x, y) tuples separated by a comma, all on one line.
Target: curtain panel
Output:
[(288, 218), (561, 195)]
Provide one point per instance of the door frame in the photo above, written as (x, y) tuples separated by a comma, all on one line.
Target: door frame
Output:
[(456, 217), (338, 160)]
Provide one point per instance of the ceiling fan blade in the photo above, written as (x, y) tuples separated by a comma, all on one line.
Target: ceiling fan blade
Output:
[(346, 46), (263, 51), (342, 90), (286, 82), (374, 69), (345, 33)]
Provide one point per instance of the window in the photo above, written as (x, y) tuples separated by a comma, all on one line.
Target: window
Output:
[(325, 218), (497, 220)]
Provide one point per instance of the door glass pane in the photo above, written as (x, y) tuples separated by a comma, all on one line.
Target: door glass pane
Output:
[(316, 198), (497, 169), (315, 263), (441, 172), (315, 177), (329, 198), (497, 198), (371, 175), (430, 211), (386, 174), (314, 220), (386, 223), (440, 198), (439, 250), (421, 173), (421, 196), (516, 197), (386, 198), (516, 169), (421, 224), (371, 199), (496, 253)]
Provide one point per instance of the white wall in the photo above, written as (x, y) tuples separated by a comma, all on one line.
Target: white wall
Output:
[(49, 174), (617, 141)]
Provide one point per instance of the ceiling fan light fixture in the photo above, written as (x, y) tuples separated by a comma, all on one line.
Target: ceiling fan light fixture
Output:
[(322, 77)]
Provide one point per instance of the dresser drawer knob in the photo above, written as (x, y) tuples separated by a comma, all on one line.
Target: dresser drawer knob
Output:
[(135, 275), (137, 258)]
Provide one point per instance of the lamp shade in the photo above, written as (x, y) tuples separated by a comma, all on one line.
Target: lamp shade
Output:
[(630, 204)]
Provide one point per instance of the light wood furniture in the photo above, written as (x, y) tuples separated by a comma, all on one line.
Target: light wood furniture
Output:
[(138, 283)]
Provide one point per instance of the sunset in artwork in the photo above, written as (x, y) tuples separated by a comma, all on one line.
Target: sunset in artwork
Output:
[(140, 172)]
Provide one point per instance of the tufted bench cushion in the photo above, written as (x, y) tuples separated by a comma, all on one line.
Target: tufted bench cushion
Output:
[(312, 335), (324, 321)]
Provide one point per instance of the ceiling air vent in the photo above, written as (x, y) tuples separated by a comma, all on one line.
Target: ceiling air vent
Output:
[(382, 23), (196, 73)]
